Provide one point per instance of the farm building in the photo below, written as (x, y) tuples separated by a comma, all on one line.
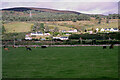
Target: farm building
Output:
[(37, 34), (27, 37), (61, 38), (108, 30), (102, 30), (70, 31)]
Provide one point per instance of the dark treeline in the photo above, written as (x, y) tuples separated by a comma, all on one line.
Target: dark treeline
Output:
[(110, 16), (98, 36), (34, 15), (42, 16)]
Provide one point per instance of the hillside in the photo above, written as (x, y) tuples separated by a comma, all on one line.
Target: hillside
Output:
[(20, 19), (39, 9), (62, 25), (17, 27)]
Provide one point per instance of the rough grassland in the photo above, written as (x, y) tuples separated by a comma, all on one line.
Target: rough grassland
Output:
[(17, 27), (62, 62), (62, 25)]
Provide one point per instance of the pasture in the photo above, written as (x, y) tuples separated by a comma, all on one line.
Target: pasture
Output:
[(17, 27), (61, 62), (62, 25)]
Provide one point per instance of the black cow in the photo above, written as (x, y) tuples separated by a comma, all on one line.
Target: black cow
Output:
[(28, 48), (43, 46), (111, 46), (104, 47)]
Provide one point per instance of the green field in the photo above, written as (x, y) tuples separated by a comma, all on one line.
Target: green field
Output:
[(61, 62), (17, 27), (62, 25)]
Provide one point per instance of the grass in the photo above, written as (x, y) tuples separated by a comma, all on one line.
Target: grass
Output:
[(61, 62), (59, 27), (62, 25), (17, 27)]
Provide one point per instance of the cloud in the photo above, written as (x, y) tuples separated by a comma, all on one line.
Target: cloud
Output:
[(60, 1)]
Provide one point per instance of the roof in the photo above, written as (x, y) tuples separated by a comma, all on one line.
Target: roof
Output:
[(115, 28)]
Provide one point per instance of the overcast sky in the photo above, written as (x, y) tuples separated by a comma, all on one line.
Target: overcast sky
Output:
[(89, 7)]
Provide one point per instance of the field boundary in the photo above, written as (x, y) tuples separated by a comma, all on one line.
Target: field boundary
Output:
[(58, 45)]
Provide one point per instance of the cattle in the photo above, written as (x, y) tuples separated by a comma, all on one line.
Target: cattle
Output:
[(111, 46), (35, 46), (43, 46), (6, 48), (104, 47), (28, 48), (14, 46)]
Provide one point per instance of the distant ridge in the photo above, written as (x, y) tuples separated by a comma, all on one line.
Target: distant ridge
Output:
[(39, 9)]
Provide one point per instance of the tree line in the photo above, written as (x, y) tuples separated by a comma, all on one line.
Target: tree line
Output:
[(42, 16)]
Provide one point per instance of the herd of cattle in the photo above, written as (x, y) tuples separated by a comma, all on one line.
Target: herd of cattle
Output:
[(30, 49), (27, 48)]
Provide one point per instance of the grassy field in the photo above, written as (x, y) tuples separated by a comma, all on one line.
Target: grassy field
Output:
[(62, 25), (17, 27), (61, 62)]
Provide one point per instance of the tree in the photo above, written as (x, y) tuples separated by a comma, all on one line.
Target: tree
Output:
[(56, 29), (107, 20), (74, 20), (99, 22), (85, 30), (3, 29), (42, 27), (46, 29)]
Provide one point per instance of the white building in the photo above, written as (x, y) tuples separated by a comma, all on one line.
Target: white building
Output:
[(90, 32), (97, 29), (56, 37), (63, 31), (71, 31), (102, 30), (61, 38), (46, 34), (111, 29), (116, 30), (28, 38), (107, 29), (64, 38), (37, 34)]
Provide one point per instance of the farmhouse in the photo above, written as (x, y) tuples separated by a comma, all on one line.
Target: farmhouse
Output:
[(63, 31), (71, 31), (102, 30), (46, 34), (115, 29), (61, 38), (27, 37), (64, 38), (112, 29), (97, 29), (90, 32), (108, 30), (37, 34)]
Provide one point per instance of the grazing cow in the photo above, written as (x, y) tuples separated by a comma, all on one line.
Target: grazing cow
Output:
[(28, 48), (104, 47), (111, 46), (6, 48), (43, 46), (34, 46), (14, 46)]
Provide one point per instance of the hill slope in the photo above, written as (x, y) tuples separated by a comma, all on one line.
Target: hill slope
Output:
[(39, 9)]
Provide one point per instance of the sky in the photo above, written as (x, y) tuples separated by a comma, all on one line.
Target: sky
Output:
[(89, 7)]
